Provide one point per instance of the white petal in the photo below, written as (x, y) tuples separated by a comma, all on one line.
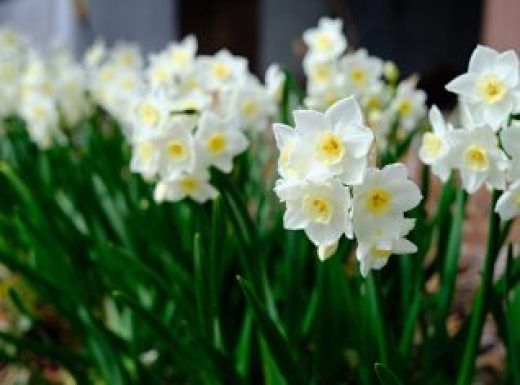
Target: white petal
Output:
[(482, 59)]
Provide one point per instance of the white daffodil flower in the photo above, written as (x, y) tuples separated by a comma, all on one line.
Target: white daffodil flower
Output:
[(327, 40), (151, 115), (508, 205), (221, 71), (323, 75), (475, 153), (336, 142), (182, 55), (371, 256), (292, 164), (194, 185), (219, 140), (435, 147), (253, 105), (274, 82), (327, 251), (320, 208), (363, 72), (409, 105), (126, 55), (490, 86), (159, 72), (145, 158), (177, 149), (379, 205), (95, 54), (510, 139), (41, 116)]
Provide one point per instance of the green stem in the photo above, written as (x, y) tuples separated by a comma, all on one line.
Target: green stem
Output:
[(377, 316), (478, 314)]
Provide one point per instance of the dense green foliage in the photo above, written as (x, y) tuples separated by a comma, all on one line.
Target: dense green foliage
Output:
[(221, 292)]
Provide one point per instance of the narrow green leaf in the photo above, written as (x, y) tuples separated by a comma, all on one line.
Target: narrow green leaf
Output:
[(386, 376), (275, 340)]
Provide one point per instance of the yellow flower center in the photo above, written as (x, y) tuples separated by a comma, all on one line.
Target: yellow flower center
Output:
[(128, 58), (431, 144), (373, 103), (329, 148), (376, 253), (148, 114), (358, 76), (323, 42), (189, 185), (8, 39), (405, 107), (39, 112), (517, 200), (321, 73), (179, 57), (378, 201), (331, 98), (217, 143), (221, 71), (491, 88), (476, 158), (145, 151), (128, 83), (176, 149), (160, 74), (106, 74), (250, 108), (317, 208), (7, 72)]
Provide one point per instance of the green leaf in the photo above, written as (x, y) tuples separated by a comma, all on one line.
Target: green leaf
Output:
[(450, 268), (275, 340), (386, 376)]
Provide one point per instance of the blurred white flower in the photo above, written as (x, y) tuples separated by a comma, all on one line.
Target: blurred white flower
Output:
[(508, 205), (182, 55), (379, 205), (274, 82), (327, 40), (435, 147), (363, 72), (95, 54), (475, 153), (510, 140), (490, 87), (150, 117), (221, 71), (373, 256), (409, 105), (194, 185), (320, 208), (177, 148), (219, 140)]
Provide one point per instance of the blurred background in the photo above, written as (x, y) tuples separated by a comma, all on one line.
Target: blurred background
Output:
[(432, 38)]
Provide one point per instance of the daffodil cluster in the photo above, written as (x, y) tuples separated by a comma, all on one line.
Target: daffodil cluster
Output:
[(485, 148), (330, 185), (333, 74), (47, 91), (115, 79), (192, 113)]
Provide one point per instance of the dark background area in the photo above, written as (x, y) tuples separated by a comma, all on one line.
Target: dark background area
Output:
[(431, 37)]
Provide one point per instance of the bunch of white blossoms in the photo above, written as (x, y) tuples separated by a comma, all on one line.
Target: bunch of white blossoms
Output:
[(330, 186), (47, 91), (115, 79), (333, 74), (486, 148), (192, 114)]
